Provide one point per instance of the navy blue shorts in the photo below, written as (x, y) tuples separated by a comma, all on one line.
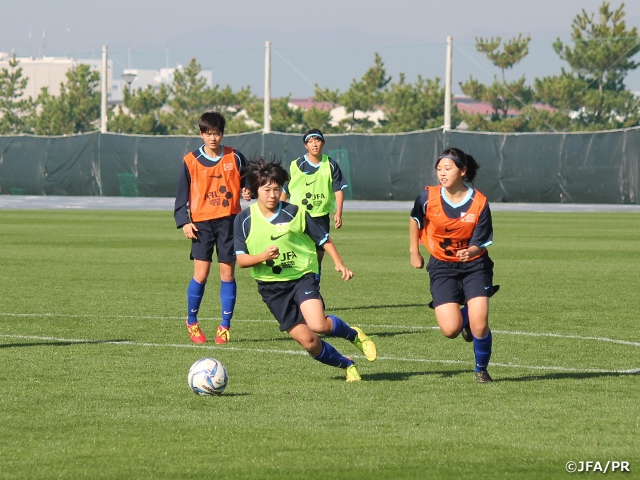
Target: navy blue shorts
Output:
[(325, 222), (218, 233), (457, 282), (284, 298)]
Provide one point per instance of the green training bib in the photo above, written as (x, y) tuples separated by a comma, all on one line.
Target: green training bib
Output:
[(313, 192), (297, 250)]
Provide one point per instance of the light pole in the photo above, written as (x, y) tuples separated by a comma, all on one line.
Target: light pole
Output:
[(129, 76)]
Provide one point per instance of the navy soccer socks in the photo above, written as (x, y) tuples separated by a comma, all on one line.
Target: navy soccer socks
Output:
[(228, 292), (482, 351), (341, 329), (464, 311), (195, 291), (330, 356)]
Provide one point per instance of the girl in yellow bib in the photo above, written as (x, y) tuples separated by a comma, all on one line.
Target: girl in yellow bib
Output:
[(278, 240), (316, 185)]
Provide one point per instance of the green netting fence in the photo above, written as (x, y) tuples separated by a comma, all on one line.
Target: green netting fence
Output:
[(595, 167)]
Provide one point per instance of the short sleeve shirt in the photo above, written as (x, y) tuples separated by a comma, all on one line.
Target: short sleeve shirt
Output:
[(286, 212)]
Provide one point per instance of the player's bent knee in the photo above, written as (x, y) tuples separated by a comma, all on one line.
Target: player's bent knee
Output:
[(450, 333), (311, 345)]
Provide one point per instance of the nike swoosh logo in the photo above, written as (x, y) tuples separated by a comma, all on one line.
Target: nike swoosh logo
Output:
[(215, 176), (227, 313), (449, 230), (275, 238), (309, 183), (487, 288), (307, 293), (194, 311)]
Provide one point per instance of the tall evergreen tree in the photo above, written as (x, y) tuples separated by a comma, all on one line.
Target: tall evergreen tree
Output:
[(75, 110), (284, 117), (501, 94), (364, 95), (190, 96), (15, 111), (593, 92), (142, 114), (418, 106)]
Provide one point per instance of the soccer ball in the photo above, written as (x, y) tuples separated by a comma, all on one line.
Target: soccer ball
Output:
[(208, 376)]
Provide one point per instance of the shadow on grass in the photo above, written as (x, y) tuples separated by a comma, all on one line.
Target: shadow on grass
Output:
[(61, 344), (372, 307), (262, 340), (325, 337), (564, 376), (394, 334), (404, 376)]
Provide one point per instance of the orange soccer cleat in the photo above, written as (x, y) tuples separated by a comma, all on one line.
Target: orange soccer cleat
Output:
[(196, 334)]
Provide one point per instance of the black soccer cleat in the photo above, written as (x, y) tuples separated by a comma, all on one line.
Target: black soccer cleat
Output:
[(466, 334), (483, 377)]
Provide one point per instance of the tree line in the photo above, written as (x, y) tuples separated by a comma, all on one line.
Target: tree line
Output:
[(590, 94)]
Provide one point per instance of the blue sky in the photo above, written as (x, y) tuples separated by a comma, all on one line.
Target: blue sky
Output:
[(328, 43)]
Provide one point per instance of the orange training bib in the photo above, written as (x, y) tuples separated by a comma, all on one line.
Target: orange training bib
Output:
[(215, 190), (444, 236)]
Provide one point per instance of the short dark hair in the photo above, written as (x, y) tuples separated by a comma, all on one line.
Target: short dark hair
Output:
[(211, 121), (314, 132), (259, 172), (462, 160)]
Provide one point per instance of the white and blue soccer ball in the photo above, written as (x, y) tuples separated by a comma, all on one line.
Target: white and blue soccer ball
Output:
[(208, 376)]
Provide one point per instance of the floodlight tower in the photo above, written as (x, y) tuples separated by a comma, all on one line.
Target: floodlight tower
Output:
[(129, 76)]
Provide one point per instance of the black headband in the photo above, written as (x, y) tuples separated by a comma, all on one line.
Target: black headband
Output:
[(460, 163)]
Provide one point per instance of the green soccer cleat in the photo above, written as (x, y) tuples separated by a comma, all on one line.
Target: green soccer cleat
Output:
[(352, 373), (365, 345)]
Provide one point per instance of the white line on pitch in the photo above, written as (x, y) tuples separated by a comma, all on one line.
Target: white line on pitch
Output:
[(397, 327), (300, 352)]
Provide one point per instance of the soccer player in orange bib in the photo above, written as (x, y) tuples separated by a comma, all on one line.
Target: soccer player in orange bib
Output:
[(453, 221), (207, 202)]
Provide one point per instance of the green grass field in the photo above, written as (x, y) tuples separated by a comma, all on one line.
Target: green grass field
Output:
[(94, 357)]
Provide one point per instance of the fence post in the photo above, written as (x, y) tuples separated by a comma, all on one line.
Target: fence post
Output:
[(267, 88), (103, 99), (447, 90)]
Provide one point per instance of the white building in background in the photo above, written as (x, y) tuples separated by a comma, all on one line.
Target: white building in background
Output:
[(50, 72), (144, 78)]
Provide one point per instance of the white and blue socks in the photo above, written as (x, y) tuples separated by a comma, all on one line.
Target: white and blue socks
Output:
[(341, 329), (482, 351), (195, 291), (330, 356), (228, 292)]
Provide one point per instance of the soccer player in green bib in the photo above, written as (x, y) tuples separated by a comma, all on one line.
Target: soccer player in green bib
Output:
[(278, 241), (316, 185)]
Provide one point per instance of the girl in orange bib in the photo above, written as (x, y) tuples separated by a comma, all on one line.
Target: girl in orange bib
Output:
[(453, 221)]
